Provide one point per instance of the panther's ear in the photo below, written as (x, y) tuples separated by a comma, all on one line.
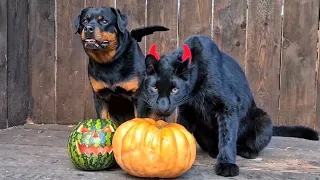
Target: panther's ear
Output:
[(186, 56), (184, 64), (151, 62), (122, 19), (152, 59), (76, 23)]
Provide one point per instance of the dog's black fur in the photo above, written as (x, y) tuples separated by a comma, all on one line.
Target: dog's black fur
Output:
[(115, 60), (215, 101)]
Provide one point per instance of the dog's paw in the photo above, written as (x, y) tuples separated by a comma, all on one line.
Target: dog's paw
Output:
[(227, 169)]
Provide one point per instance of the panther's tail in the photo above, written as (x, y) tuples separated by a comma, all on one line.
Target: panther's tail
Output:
[(296, 131), (138, 33)]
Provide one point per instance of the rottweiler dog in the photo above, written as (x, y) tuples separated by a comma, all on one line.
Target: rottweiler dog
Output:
[(116, 61)]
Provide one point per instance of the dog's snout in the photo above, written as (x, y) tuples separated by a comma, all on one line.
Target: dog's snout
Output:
[(89, 29)]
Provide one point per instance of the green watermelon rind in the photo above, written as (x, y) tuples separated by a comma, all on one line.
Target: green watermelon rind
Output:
[(92, 163)]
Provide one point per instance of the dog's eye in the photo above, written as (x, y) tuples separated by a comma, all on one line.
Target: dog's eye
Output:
[(104, 21), (174, 90), (85, 21)]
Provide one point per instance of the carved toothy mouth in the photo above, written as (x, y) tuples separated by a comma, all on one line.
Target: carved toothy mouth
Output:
[(83, 149)]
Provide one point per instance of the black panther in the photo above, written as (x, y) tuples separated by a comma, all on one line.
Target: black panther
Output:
[(214, 99)]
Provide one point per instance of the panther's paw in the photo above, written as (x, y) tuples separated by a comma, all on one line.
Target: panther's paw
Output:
[(227, 169)]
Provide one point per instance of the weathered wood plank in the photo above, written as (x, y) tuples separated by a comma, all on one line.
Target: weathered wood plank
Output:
[(317, 120), (160, 13), (263, 53), (19, 91), (298, 65), (90, 111), (195, 18), (3, 65), (229, 27), (98, 3), (71, 65), (135, 9), (42, 60)]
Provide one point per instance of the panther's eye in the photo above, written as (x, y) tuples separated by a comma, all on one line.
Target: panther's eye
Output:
[(154, 88), (85, 21), (104, 21), (174, 90)]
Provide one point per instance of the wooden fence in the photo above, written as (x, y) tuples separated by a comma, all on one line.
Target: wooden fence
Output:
[(43, 75)]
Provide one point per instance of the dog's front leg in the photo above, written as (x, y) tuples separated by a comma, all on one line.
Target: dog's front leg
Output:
[(101, 106), (226, 159)]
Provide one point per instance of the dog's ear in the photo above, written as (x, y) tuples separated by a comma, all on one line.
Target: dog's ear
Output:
[(76, 23), (122, 19)]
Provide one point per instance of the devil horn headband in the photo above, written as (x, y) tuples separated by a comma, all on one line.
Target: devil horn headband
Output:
[(186, 52), (153, 52)]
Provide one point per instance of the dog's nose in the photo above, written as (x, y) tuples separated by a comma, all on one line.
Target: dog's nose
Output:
[(88, 29)]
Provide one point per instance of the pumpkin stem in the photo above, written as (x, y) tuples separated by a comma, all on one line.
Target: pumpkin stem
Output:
[(161, 124)]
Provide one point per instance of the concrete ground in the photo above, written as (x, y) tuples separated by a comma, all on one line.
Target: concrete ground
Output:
[(34, 152)]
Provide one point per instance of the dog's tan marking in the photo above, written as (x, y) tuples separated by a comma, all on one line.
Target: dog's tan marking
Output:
[(83, 35), (135, 111), (105, 113), (97, 85), (131, 85)]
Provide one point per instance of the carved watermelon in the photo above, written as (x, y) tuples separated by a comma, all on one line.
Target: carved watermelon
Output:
[(90, 144)]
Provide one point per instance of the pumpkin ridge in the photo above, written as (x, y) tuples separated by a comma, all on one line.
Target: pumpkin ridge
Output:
[(188, 158), (144, 145), (170, 170), (157, 151), (193, 151), (118, 141), (129, 133), (160, 151), (148, 142), (178, 133), (138, 149)]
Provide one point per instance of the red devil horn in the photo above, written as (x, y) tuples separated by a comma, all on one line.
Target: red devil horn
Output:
[(153, 52), (186, 53)]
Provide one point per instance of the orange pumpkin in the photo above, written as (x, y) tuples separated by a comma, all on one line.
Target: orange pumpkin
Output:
[(144, 147)]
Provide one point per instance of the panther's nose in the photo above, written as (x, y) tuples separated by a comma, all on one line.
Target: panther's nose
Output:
[(163, 105), (88, 29)]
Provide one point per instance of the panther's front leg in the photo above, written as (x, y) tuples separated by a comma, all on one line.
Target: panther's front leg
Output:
[(226, 160)]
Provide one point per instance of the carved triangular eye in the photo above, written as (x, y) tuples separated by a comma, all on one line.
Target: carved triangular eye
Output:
[(107, 129), (83, 129)]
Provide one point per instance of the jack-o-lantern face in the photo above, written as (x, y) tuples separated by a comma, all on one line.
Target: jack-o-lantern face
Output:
[(94, 139), (90, 144)]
